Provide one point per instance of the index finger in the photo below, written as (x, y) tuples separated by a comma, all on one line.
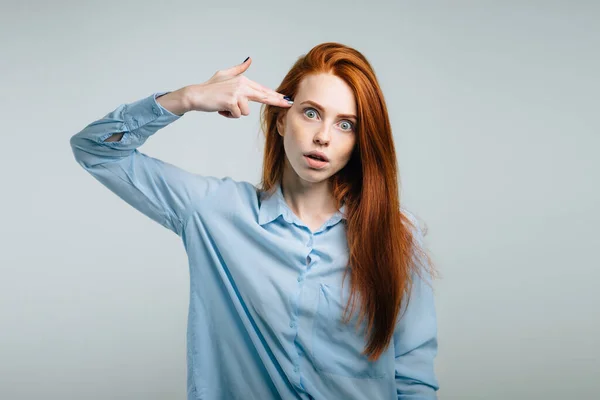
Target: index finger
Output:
[(268, 96)]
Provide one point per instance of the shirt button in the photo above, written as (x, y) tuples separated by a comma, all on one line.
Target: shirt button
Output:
[(296, 369), (300, 278), (292, 324)]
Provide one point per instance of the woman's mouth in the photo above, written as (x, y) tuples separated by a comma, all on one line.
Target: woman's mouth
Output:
[(315, 162)]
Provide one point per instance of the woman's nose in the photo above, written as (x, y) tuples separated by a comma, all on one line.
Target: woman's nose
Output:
[(322, 136)]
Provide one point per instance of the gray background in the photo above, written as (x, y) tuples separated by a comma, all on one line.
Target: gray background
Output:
[(494, 108)]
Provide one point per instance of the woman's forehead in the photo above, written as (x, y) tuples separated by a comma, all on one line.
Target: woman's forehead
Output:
[(331, 92)]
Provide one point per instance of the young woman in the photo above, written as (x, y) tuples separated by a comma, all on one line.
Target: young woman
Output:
[(270, 313)]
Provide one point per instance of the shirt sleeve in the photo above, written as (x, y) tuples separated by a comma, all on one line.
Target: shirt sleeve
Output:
[(159, 190), (415, 341)]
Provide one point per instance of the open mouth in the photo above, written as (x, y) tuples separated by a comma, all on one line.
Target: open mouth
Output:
[(316, 162)]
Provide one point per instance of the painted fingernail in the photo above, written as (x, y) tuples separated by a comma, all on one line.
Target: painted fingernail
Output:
[(246, 59), (288, 99)]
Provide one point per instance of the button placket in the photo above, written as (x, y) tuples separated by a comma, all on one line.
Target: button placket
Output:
[(310, 241)]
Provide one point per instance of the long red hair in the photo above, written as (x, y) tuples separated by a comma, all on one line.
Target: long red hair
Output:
[(381, 238)]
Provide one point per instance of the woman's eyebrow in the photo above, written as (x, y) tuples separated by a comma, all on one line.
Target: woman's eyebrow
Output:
[(320, 107)]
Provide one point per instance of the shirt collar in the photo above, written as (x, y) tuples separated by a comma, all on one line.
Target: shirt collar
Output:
[(271, 207)]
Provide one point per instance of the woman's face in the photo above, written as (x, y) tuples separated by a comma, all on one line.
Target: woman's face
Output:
[(315, 122)]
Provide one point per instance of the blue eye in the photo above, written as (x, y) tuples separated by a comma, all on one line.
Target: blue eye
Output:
[(312, 110), (351, 126)]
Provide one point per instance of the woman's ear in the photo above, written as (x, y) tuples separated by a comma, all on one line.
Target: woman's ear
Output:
[(281, 123)]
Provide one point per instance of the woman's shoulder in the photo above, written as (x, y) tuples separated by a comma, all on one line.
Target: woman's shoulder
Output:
[(231, 189)]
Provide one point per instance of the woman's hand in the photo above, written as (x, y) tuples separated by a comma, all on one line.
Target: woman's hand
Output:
[(228, 92)]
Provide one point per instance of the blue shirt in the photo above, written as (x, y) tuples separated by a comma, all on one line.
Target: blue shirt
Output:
[(266, 294)]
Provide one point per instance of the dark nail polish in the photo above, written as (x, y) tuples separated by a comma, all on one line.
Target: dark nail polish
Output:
[(287, 98), (246, 59)]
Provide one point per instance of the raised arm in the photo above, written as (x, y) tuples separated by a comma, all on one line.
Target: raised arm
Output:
[(107, 149)]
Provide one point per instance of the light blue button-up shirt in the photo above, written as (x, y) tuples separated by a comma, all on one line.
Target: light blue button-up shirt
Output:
[(266, 294)]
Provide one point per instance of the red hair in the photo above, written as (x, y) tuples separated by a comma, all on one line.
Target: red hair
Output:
[(382, 246)]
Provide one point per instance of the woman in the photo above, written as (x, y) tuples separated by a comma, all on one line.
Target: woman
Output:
[(270, 315)]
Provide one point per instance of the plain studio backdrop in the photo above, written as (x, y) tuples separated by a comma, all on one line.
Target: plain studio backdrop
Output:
[(494, 110)]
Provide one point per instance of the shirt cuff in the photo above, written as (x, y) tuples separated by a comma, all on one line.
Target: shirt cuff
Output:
[(146, 116)]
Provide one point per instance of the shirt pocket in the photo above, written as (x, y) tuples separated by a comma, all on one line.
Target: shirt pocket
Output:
[(337, 347)]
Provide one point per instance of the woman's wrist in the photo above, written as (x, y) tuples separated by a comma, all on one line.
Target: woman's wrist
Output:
[(176, 102)]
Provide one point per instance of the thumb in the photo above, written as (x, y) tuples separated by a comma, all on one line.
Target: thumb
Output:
[(238, 69)]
